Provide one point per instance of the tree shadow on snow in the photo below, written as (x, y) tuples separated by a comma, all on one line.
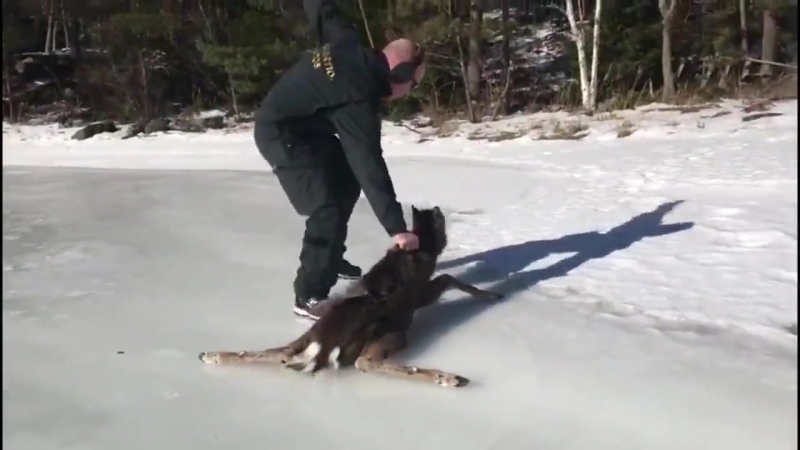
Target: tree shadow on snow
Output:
[(503, 268)]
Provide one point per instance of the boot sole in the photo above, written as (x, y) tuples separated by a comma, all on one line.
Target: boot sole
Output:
[(304, 313), (349, 277)]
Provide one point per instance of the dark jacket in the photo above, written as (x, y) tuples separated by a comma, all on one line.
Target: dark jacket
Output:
[(337, 88)]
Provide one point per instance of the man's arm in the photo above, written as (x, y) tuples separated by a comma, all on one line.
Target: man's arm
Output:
[(328, 20), (358, 126)]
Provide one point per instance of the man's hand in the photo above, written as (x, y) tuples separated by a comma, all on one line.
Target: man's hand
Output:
[(406, 241)]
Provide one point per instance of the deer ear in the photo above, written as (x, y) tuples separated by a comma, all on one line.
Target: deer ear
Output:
[(414, 210), (437, 211)]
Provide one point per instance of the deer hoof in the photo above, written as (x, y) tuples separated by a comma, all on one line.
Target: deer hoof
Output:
[(450, 380)]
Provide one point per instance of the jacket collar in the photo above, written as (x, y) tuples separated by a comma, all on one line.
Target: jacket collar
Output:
[(379, 68)]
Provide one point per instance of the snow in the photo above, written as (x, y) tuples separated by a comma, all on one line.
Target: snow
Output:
[(650, 283)]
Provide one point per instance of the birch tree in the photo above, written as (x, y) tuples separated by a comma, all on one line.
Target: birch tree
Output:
[(49, 7), (743, 30), (577, 26), (598, 8)]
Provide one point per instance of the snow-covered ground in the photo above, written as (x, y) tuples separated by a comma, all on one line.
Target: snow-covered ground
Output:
[(651, 289)]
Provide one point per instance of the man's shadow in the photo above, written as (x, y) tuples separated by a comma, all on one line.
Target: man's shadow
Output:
[(503, 267)]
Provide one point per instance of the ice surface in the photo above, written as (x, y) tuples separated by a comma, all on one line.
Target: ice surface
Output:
[(651, 282)]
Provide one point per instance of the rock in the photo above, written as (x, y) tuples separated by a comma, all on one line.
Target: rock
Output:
[(188, 126), (198, 125), (757, 116), (45, 119), (136, 128), (155, 125), (71, 122), (131, 132), (73, 118), (106, 126), (213, 122), (421, 122)]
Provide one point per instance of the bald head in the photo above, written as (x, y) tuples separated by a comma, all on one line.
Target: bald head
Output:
[(397, 52)]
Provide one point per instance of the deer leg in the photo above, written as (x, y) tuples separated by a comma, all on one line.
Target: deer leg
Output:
[(374, 359), (277, 355), (436, 287)]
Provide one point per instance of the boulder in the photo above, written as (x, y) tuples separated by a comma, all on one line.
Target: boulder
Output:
[(155, 125), (106, 126)]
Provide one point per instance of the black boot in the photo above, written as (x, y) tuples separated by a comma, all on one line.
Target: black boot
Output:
[(303, 306), (348, 271)]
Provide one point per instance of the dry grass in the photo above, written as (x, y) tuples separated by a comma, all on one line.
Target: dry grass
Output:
[(625, 129), (691, 98), (758, 106), (686, 109), (436, 116), (604, 117), (694, 95), (573, 131), (506, 135), (496, 136), (446, 128), (784, 88)]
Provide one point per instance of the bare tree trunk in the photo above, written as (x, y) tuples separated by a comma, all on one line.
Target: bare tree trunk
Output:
[(75, 30), (503, 94), (54, 35), (506, 53), (744, 44), (233, 98), (7, 88), (598, 8), (743, 25), (366, 23), (463, 64), (666, 62), (65, 25), (668, 8), (578, 37), (769, 38), (147, 104), (48, 39), (474, 53)]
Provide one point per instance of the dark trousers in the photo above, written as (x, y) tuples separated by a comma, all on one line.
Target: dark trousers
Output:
[(317, 179)]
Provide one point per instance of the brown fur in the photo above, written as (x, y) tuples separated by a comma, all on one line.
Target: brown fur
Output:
[(370, 322)]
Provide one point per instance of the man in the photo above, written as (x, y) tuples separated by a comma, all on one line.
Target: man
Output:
[(336, 89)]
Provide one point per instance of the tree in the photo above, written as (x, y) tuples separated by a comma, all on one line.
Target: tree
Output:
[(577, 25), (668, 11), (475, 58), (769, 37), (743, 30), (598, 8), (504, 6)]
